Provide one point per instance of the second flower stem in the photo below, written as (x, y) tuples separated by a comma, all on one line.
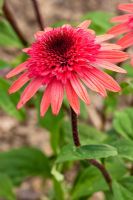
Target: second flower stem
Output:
[(12, 21), (93, 162), (38, 14)]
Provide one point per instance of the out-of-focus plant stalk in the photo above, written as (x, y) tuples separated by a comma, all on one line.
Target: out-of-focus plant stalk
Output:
[(13, 23), (38, 14), (93, 162)]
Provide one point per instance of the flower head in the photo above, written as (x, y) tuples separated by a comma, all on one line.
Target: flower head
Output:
[(125, 26), (67, 59)]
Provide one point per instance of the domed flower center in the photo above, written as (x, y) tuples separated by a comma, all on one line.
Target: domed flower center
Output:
[(61, 51), (59, 44)]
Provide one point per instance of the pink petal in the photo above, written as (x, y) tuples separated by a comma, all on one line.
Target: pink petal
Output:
[(92, 83), (72, 98), (126, 40), (79, 89), (126, 7), (66, 25), (19, 83), (45, 103), (57, 92), (119, 29), (90, 31), (17, 70), (109, 46), (38, 34), (26, 50), (48, 29), (106, 80), (102, 38), (113, 56), (30, 91), (85, 24), (122, 18), (107, 65)]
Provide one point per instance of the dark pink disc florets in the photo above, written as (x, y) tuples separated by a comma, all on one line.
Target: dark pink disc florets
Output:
[(60, 51)]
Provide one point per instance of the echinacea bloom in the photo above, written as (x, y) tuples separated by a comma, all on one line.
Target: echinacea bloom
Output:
[(67, 59), (125, 26)]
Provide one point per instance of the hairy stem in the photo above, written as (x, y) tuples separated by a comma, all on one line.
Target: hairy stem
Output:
[(13, 23), (38, 14), (93, 162), (74, 128)]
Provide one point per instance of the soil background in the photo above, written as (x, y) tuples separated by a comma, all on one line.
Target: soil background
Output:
[(13, 133)]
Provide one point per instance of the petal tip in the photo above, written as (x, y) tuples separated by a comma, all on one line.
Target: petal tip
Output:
[(10, 91), (20, 105)]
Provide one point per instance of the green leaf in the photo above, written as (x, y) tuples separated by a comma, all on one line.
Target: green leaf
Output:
[(110, 103), (58, 190), (100, 21), (21, 163), (3, 64), (123, 122), (127, 87), (87, 133), (8, 102), (7, 35), (117, 191), (57, 175), (124, 148), (116, 167), (90, 135), (89, 182), (121, 192), (71, 153), (129, 69), (127, 182), (6, 188)]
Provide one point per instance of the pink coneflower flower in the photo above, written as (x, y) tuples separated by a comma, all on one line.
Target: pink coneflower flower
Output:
[(125, 26), (67, 59)]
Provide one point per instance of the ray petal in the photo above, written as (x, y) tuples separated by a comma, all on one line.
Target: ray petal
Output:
[(119, 29), (85, 24), (122, 18), (79, 89), (92, 83), (19, 83), (30, 91), (72, 97), (108, 65), (126, 40), (126, 7), (17, 70), (102, 38), (57, 92), (46, 99), (107, 81), (109, 46), (113, 55)]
